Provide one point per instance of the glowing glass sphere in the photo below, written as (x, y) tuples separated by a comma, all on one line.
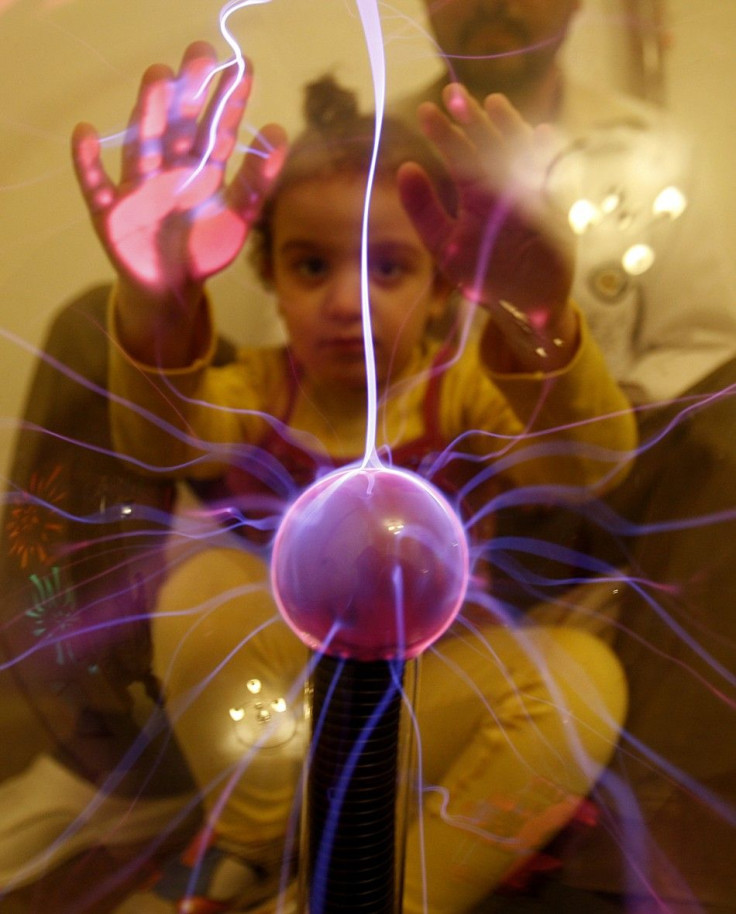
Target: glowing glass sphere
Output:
[(370, 564)]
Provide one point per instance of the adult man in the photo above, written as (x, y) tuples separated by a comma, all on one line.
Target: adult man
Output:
[(650, 278), (657, 296)]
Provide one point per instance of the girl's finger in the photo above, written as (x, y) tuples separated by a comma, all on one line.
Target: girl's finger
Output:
[(144, 139), (507, 119), (451, 142), (260, 168), (218, 127), (425, 210), (191, 92), (471, 118), (97, 188)]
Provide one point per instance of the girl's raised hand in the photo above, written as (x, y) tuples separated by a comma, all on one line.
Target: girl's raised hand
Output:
[(172, 221), (504, 247)]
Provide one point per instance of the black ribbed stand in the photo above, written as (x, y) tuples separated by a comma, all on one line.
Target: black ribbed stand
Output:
[(352, 787)]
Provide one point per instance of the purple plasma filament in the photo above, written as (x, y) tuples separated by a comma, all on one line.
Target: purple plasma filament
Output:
[(370, 563)]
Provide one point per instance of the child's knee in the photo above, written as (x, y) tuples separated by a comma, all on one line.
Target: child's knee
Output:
[(591, 672)]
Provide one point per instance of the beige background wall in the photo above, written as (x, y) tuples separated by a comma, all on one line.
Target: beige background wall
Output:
[(701, 81), (66, 60)]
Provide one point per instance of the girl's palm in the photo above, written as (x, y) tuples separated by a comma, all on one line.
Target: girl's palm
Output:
[(171, 221)]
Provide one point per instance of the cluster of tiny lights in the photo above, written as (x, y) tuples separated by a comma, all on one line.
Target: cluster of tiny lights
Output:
[(585, 216)]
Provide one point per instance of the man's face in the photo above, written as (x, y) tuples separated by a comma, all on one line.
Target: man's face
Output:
[(500, 45)]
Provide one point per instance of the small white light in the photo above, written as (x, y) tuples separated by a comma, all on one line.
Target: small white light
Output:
[(638, 259), (583, 214), (237, 714), (279, 705), (611, 202), (254, 686), (670, 202)]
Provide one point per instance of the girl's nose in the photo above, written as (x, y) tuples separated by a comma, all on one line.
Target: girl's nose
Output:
[(343, 295)]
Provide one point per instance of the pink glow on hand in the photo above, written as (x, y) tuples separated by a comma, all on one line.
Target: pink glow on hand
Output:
[(172, 220), (457, 102), (153, 122), (171, 224), (212, 236)]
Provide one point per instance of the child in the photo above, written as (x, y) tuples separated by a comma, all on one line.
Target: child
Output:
[(515, 723)]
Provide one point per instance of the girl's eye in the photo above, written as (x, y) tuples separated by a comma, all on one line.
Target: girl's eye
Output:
[(311, 267), (387, 270)]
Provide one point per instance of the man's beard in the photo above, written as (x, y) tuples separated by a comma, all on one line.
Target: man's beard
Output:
[(511, 63)]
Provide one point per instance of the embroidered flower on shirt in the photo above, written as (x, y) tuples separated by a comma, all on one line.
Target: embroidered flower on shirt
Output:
[(32, 524), (52, 613)]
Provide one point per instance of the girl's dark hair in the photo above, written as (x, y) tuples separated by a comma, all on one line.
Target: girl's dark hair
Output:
[(337, 140)]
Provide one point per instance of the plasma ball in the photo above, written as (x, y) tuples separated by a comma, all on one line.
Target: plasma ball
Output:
[(370, 563)]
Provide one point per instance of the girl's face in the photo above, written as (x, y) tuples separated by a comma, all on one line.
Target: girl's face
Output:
[(316, 272)]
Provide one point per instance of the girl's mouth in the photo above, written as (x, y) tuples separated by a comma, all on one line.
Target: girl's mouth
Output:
[(349, 345)]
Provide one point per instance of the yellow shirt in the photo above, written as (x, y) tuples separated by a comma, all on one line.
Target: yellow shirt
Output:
[(571, 427)]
